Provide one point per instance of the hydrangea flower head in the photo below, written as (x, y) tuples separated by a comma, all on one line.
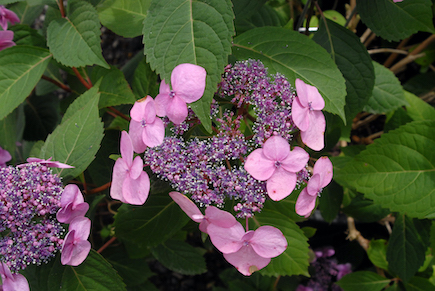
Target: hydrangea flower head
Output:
[(322, 176), (130, 183), (12, 282), (307, 115), (6, 39), (188, 85), (5, 156), (76, 246), (72, 204), (7, 15), (277, 164), (146, 129)]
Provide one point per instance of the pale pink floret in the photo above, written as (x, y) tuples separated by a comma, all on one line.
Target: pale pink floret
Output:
[(76, 247), (248, 251), (12, 282), (130, 184), (276, 164), (146, 129), (7, 15), (307, 115), (72, 204), (395, 1), (188, 85), (6, 39), (48, 163), (212, 215), (322, 176)]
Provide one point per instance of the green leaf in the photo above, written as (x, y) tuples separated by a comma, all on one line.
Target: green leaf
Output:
[(266, 16), (151, 224), (180, 257), (124, 17), (377, 253), (396, 21), (144, 81), (246, 8), (8, 133), (21, 67), (26, 13), (75, 40), (352, 60), (365, 210), (24, 35), (397, 171), (420, 84), (77, 139), (295, 259), (419, 284), (197, 32), (363, 281), (387, 94), (114, 89), (418, 109), (44, 87), (406, 250), (330, 201), (296, 56)]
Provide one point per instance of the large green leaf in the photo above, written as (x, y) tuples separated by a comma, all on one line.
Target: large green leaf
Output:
[(294, 260), (186, 31), (377, 253), (406, 247), (124, 17), (418, 109), (180, 257), (266, 16), (397, 171), (363, 281), (8, 132), (77, 139), (75, 40), (21, 67), (419, 284), (396, 21), (352, 60), (144, 81), (151, 224), (387, 94), (296, 56)]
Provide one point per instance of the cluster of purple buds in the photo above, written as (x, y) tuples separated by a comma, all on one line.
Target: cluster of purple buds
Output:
[(7, 36), (34, 208)]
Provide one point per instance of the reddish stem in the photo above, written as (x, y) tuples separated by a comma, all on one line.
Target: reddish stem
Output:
[(108, 243), (86, 84), (119, 113), (61, 8), (99, 189), (58, 84)]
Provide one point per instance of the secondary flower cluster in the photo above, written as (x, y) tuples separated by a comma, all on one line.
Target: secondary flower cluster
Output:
[(7, 36), (33, 207)]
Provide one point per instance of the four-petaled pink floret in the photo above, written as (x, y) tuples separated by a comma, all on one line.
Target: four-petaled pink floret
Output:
[(277, 164), (76, 247), (322, 176), (188, 85), (72, 204)]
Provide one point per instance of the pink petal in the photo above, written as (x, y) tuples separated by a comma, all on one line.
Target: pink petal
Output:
[(68, 213), (150, 111), (11, 16), (136, 168), (314, 136), (82, 227), (79, 253), (119, 174), (71, 194), (309, 96), (246, 260), (154, 133), (187, 206), (188, 82), (276, 148), (313, 185), (259, 166), (323, 167), (281, 184), (219, 217), (226, 239), (67, 248), (162, 99), (176, 110), (268, 241), (136, 136), (300, 115), (305, 203), (126, 148), (136, 191), (137, 112), (301, 91), (18, 282), (295, 160), (49, 163)]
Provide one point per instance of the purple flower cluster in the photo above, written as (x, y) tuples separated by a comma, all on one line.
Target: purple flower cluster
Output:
[(29, 200)]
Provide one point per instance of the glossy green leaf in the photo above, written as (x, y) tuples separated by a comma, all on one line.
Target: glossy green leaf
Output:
[(294, 260), (144, 81), (26, 12), (266, 16), (363, 281), (151, 224), (396, 21), (197, 32), (180, 257), (406, 249), (245, 8), (377, 253), (113, 88), (77, 139), (296, 56), (397, 171), (352, 60), (8, 129), (419, 284), (387, 94), (418, 109), (21, 67), (75, 40), (420, 84), (365, 210), (124, 17), (24, 35), (330, 201)]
